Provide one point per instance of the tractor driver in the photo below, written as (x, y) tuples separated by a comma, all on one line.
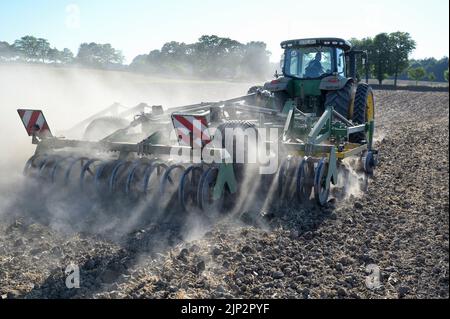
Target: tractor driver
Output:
[(314, 68)]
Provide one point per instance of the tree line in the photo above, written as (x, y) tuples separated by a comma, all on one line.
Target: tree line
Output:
[(211, 56), (216, 57), (427, 69), (388, 58), (30, 49)]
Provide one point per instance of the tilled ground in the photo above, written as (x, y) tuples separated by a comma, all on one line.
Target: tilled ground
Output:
[(391, 242)]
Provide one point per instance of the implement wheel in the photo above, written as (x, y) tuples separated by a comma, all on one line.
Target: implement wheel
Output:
[(321, 187), (304, 181)]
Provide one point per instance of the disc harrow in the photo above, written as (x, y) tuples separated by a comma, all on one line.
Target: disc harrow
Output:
[(167, 167), (183, 187)]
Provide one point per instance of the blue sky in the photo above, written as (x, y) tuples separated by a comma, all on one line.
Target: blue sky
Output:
[(138, 26)]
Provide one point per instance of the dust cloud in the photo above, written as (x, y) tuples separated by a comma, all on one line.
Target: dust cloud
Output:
[(68, 96)]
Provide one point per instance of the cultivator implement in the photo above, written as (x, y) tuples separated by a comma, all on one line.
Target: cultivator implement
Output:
[(158, 173), (284, 143)]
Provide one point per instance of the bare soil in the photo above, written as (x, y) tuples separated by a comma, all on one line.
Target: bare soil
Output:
[(400, 227)]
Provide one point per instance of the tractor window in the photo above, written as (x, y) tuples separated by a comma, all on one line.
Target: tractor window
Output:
[(340, 61), (309, 62), (293, 68)]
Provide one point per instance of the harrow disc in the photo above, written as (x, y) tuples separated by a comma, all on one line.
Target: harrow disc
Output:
[(304, 181), (101, 176), (321, 189), (169, 179), (369, 163), (47, 167), (57, 174), (72, 166), (285, 178), (34, 164), (118, 175), (205, 190), (90, 170), (187, 191), (135, 176), (169, 185), (151, 178)]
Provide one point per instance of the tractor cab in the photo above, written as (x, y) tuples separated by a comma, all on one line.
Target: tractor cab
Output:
[(314, 58), (314, 70)]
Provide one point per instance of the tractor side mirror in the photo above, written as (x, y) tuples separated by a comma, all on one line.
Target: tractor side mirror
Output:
[(276, 75)]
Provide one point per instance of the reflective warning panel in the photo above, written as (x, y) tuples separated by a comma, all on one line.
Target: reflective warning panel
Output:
[(34, 122), (191, 130)]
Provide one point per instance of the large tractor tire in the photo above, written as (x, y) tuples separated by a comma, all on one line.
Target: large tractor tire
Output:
[(104, 126), (363, 110), (341, 99)]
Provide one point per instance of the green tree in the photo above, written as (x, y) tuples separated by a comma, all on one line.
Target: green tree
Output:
[(7, 51), (66, 56), (446, 75), (256, 60), (431, 65), (210, 56), (417, 74), (32, 49), (27, 47), (400, 46), (380, 57), (365, 44), (53, 55), (431, 77), (99, 55), (43, 49), (215, 56)]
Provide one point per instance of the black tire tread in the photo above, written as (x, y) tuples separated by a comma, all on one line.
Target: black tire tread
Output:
[(359, 111), (341, 99)]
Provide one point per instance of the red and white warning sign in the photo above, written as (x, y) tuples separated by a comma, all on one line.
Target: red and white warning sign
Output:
[(34, 122), (191, 130)]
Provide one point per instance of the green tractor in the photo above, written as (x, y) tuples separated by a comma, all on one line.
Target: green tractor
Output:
[(318, 73), (330, 112)]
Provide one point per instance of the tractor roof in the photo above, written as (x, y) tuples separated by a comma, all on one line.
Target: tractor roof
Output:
[(341, 43)]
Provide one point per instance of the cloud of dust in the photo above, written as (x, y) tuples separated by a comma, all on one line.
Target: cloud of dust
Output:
[(68, 96), (351, 181)]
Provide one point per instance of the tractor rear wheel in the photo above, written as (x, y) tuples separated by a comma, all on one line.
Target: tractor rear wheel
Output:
[(363, 110), (341, 99)]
